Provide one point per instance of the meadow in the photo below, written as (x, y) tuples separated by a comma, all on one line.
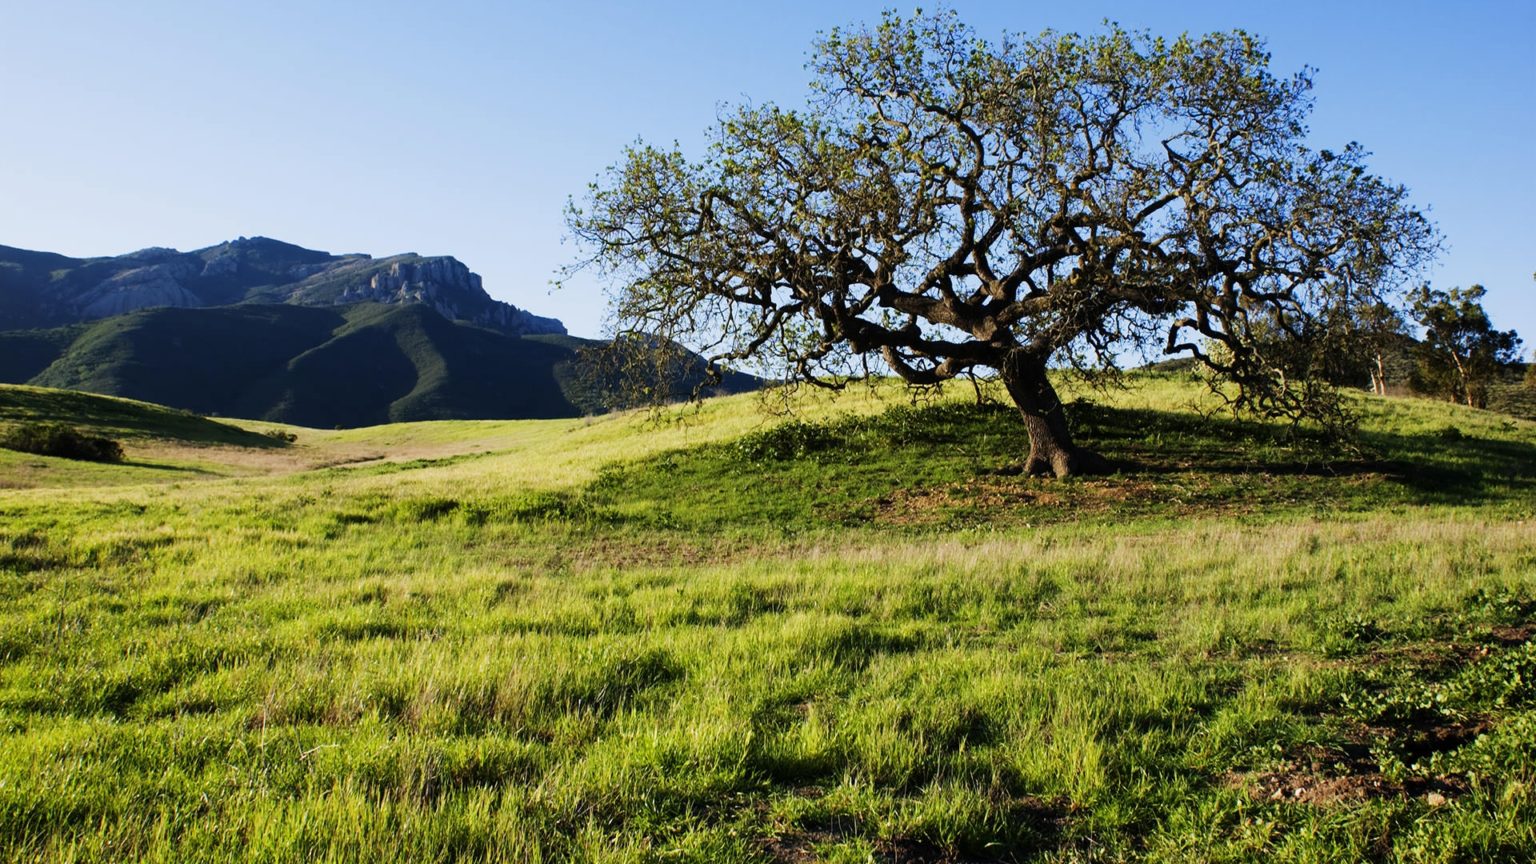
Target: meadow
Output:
[(718, 634)]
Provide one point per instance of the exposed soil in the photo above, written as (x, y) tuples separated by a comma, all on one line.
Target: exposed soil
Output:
[(1000, 493), (1348, 771), (1512, 636), (1304, 787), (996, 495), (799, 847)]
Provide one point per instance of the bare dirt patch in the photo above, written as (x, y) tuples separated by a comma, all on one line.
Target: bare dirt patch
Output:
[(1303, 787), (1349, 770), (999, 496), (799, 847), (1512, 636), (1347, 774)]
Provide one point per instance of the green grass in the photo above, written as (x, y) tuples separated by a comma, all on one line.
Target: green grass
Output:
[(957, 464), (863, 637), (118, 418), (163, 445)]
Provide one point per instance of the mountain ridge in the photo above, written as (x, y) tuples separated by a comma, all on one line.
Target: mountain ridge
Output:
[(46, 290)]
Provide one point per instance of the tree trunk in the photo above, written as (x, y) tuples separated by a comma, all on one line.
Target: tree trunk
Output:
[(1051, 450), (1466, 381)]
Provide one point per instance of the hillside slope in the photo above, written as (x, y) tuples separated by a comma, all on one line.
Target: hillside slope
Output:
[(356, 365), (857, 635), (121, 418)]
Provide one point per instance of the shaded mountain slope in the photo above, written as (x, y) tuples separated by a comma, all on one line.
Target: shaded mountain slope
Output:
[(26, 353), (354, 365)]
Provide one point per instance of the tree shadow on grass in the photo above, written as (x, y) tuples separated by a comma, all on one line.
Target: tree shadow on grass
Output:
[(934, 465), (1025, 827), (122, 417), (168, 468), (1441, 467)]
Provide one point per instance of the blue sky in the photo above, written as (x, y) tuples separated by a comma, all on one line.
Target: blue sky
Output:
[(460, 128)]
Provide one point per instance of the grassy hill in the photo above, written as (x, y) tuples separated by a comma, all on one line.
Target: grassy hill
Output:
[(163, 444), (357, 365), (718, 635), (120, 418)]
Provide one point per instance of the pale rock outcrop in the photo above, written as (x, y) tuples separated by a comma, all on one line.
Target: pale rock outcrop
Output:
[(140, 288), (449, 287)]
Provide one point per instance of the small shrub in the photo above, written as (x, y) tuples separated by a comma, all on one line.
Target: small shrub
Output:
[(1358, 628), (1504, 605), (1449, 433), (56, 439), (425, 509), (1349, 634), (539, 506), (282, 435), (792, 440)]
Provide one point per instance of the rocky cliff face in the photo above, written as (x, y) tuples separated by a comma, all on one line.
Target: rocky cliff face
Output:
[(160, 284), (447, 286), (40, 289)]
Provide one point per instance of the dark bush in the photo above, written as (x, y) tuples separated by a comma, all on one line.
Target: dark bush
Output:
[(794, 439), (56, 439), (945, 423), (1449, 433)]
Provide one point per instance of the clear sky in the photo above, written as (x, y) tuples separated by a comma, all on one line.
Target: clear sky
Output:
[(461, 128)]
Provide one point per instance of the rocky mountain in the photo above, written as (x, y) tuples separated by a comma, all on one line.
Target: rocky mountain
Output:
[(42, 289)]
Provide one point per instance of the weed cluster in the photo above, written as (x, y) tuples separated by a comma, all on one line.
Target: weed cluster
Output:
[(1450, 713)]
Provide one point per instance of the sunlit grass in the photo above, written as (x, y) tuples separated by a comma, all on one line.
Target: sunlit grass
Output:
[(505, 641)]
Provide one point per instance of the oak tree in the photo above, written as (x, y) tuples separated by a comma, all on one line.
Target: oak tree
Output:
[(945, 204)]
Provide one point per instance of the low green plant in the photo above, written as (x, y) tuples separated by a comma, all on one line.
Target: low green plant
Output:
[(794, 439)]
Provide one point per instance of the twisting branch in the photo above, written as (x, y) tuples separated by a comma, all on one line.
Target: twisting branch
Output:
[(949, 204)]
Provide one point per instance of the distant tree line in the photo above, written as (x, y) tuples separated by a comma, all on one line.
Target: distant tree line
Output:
[(1461, 353), (1441, 343)]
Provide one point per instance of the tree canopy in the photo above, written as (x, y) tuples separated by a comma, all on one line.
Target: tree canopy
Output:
[(946, 203), (1461, 353)]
